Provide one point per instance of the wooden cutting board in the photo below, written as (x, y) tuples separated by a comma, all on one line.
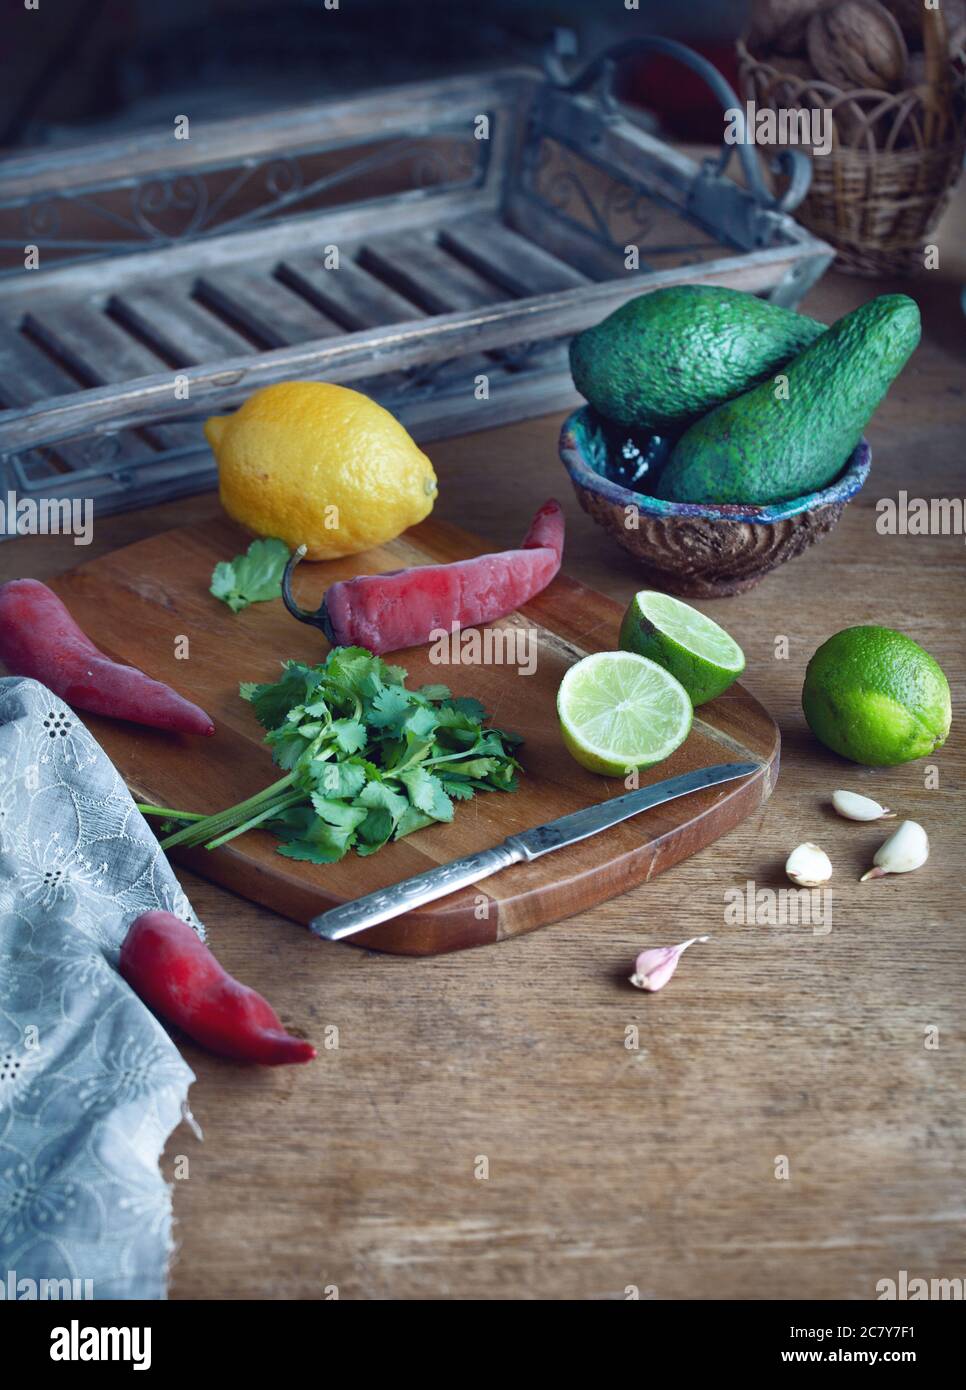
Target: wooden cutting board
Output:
[(139, 604)]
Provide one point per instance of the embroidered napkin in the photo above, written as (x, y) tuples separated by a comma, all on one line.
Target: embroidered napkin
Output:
[(90, 1083)]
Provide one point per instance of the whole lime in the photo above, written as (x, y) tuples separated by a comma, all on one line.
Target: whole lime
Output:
[(875, 696)]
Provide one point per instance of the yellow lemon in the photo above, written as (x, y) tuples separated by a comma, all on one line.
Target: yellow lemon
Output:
[(321, 466)]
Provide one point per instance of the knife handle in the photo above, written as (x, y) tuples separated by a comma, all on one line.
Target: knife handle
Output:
[(368, 911)]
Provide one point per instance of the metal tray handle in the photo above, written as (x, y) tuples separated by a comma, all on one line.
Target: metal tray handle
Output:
[(599, 72)]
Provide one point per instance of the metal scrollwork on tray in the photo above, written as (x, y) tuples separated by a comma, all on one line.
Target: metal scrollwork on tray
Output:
[(184, 194), (559, 179), (168, 207), (41, 219)]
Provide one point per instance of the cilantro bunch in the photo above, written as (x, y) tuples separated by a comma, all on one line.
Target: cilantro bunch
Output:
[(365, 759)]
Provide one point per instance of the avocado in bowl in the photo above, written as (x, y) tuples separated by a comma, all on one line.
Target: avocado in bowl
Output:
[(697, 550)]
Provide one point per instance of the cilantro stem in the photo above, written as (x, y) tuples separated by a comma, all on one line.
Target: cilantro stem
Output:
[(204, 829), (166, 811), (292, 799)]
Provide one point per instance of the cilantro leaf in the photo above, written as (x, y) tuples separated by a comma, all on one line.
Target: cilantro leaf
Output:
[(461, 791), (435, 692), (389, 707), (337, 812), (377, 795), (327, 846), (468, 707), (375, 830), (349, 735), (419, 723), (339, 780), (272, 702), (427, 794), (411, 820), (254, 577)]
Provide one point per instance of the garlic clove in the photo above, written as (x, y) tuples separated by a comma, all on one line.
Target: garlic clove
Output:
[(855, 807), (654, 968), (907, 848), (808, 866)]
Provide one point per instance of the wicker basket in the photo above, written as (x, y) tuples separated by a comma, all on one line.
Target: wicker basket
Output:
[(895, 157)]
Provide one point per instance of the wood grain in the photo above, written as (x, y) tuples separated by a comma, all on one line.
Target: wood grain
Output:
[(144, 602), (612, 1165)]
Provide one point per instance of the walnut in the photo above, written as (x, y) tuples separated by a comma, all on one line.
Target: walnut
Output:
[(781, 24), (858, 43)]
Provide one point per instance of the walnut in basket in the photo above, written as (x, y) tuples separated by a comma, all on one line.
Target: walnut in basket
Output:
[(858, 43), (781, 24)]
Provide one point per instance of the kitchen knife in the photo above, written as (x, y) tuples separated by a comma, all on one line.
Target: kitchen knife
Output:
[(368, 911)]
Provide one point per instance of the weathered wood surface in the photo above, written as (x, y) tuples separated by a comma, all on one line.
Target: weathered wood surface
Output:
[(138, 602), (612, 1166)]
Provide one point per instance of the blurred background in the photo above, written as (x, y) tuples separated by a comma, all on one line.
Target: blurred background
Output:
[(77, 70)]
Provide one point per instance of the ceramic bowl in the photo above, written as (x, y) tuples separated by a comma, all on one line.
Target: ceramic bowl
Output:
[(697, 550)]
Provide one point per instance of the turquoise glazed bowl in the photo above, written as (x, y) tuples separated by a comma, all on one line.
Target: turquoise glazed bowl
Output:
[(688, 548)]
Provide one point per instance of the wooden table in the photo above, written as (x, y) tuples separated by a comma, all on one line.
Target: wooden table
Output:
[(612, 1166)]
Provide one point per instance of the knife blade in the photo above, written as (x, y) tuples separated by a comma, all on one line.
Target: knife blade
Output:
[(368, 911)]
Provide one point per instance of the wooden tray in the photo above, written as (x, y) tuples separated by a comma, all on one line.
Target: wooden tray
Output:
[(136, 603)]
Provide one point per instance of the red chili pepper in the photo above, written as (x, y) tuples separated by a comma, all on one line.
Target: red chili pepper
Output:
[(39, 638), (403, 608), (168, 966)]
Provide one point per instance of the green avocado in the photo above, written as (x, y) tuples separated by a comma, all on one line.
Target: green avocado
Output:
[(662, 360), (793, 434)]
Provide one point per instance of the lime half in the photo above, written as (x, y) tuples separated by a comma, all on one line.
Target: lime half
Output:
[(694, 649), (619, 711)]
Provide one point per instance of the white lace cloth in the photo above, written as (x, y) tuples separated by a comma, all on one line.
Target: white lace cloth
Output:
[(90, 1083)]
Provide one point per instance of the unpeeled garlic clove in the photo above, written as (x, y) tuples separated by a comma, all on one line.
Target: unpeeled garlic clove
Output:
[(855, 807), (907, 848), (654, 968), (808, 866)]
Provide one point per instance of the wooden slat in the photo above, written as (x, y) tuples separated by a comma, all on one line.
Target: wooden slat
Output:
[(92, 345), (565, 239), (27, 374), (414, 264), (264, 307), (426, 273), (350, 294), (103, 354), (508, 259), (176, 325)]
